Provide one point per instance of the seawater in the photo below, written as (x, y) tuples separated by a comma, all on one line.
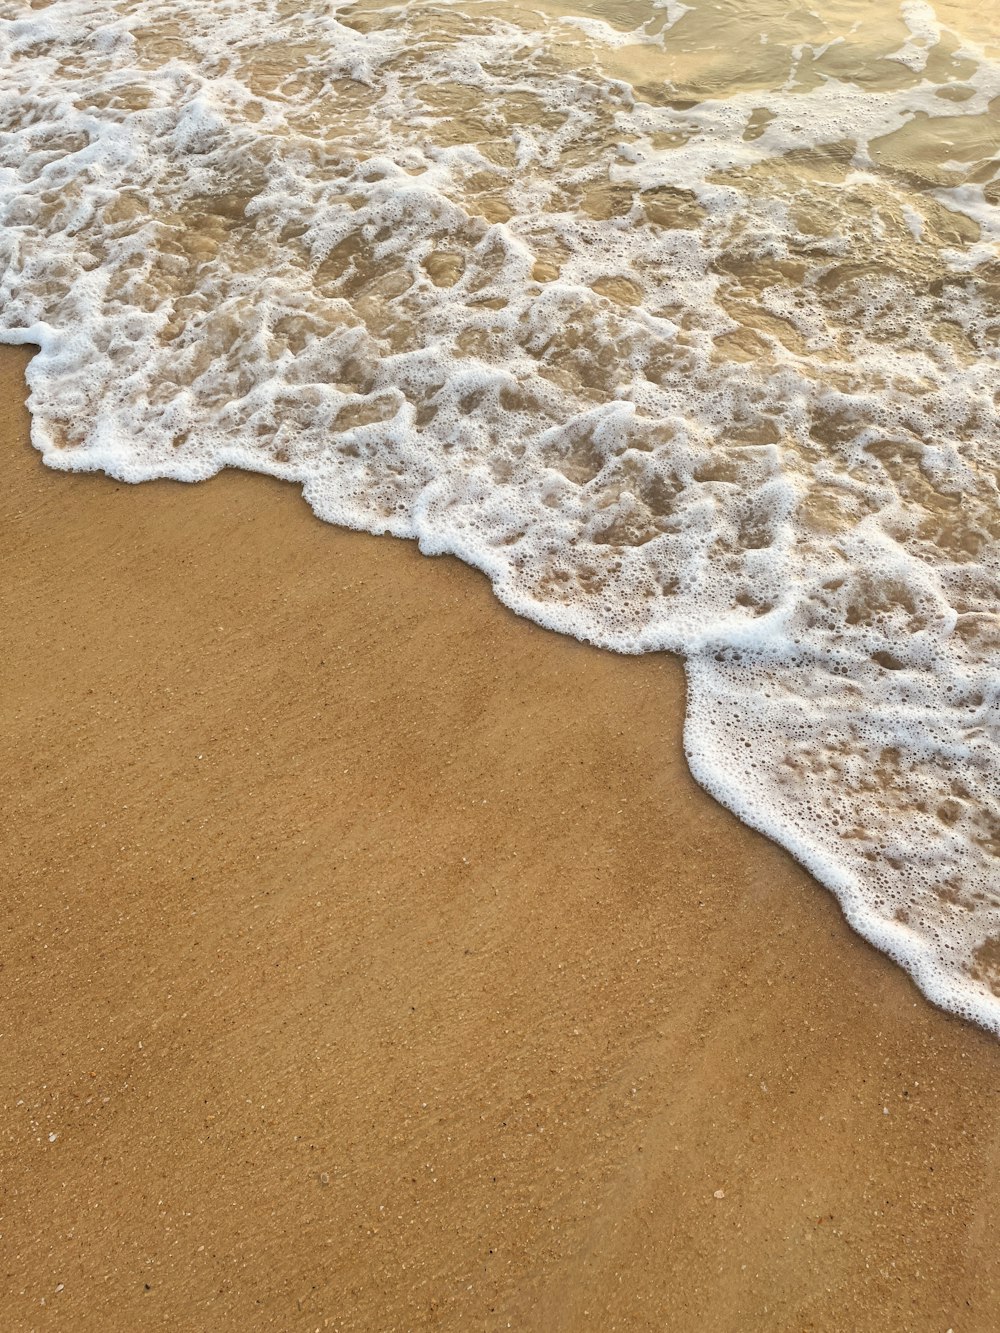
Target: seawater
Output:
[(681, 321)]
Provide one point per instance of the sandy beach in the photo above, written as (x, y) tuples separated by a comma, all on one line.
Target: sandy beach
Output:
[(372, 962)]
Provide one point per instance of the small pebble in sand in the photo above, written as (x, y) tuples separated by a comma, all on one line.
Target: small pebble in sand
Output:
[(719, 1194)]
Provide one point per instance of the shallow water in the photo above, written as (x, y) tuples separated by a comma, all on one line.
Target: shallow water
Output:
[(679, 321)]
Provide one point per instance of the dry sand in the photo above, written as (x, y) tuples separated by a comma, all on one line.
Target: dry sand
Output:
[(371, 961)]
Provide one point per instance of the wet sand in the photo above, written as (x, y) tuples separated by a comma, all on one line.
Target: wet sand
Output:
[(371, 962)]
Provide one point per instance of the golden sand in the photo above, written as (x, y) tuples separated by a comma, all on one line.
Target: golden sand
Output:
[(371, 962)]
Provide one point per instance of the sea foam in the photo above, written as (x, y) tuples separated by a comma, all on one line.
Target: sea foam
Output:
[(684, 354)]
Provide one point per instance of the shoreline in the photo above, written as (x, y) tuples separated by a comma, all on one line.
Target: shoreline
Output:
[(376, 962)]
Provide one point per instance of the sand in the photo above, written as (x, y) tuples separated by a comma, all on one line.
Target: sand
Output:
[(371, 962)]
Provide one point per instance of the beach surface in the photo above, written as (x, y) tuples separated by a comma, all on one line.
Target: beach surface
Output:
[(371, 961)]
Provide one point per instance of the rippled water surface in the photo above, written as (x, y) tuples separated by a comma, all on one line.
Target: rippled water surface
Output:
[(679, 321)]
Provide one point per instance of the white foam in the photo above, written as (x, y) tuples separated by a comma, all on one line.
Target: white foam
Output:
[(925, 33)]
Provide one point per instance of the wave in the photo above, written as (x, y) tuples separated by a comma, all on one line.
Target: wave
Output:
[(689, 344)]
